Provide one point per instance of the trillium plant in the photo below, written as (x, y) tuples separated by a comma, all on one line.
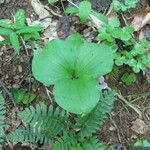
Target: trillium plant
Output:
[(73, 67)]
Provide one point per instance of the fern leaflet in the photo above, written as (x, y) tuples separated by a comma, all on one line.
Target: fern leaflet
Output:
[(90, 123), (2, 124)]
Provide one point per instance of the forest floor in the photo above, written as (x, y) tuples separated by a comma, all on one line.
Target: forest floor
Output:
[(124, 125)]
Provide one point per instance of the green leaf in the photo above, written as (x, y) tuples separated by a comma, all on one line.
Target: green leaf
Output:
[(141, 143), (128, 29), (18, 94), (75, 39), (69, 65), (78, 96), (94, 59), (128, 78), (6, 41), (84, 10), (20, 17), (6, 23), (114, 22), (22, 96), (100, 16), (72, 10), (15, 42), (117, 5), (60, 56), (52, 1), (146, 143), (54, 62), (5, 31), (29, 29)]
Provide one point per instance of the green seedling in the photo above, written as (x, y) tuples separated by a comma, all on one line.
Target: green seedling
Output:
[(83, 10), (128, 78), (142, 143), (14, 30), (136, 55), (117, 5), (111, 31), (22, 96), (138, 58), (73, 66)]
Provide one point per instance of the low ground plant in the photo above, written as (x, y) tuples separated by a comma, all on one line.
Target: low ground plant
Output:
[(16, 30)]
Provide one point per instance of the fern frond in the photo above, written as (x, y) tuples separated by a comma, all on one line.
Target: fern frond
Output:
[(90, 123), (28, 134), (93, 143), (66, 142), (46, 119), (2, 124)]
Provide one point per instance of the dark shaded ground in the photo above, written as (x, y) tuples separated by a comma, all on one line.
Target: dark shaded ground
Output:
[(15, 71)]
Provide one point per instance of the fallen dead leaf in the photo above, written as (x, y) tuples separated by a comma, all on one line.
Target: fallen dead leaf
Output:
[(45, 19), (39, 9), (139, 126), (141, 19)]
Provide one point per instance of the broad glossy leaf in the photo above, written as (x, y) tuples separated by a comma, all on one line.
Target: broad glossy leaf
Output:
[(78, 96), (73, 67), (84, 10), (94, 59), (54, 62), (15, 42)]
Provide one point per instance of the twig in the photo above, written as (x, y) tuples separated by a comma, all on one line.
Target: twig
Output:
[(9, 94), (115, 125), (139, 94), (72, 3), (52, 12), (24, 44), (48, 94), (129, 104)]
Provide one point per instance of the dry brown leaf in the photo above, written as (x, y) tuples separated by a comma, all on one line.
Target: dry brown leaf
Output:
[(141, 19), (39, 9), (139, 126), (44, 19)]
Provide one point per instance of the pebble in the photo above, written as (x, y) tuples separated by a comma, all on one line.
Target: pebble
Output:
[(16, 77), (20, 68), (112, 128), (15, 86)]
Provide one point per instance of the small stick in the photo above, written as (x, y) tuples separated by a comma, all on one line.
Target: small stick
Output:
[(24, 44), (47, 91), (9, 94), (129, 104)]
